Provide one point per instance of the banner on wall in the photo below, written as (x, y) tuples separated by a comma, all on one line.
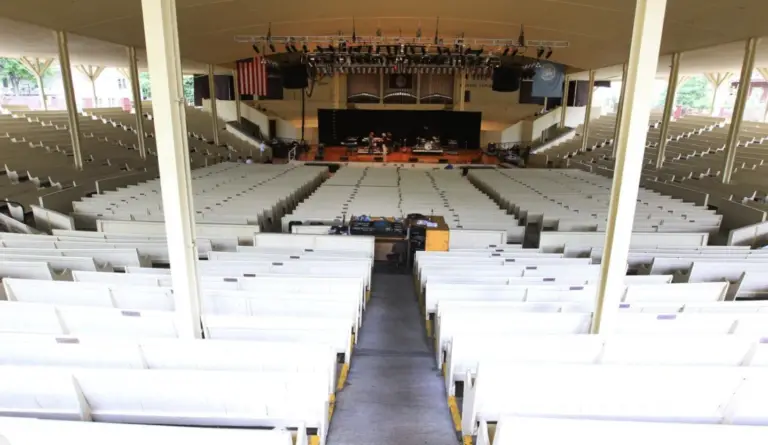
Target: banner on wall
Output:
[(548, 81)]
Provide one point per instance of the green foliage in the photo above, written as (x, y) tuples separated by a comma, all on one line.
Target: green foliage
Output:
[(189, 88), (146, 88), (188, 83), (695, 93), (14, 72)]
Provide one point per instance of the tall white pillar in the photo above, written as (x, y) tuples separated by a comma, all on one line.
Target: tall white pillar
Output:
[(133, 71), (641, 72), (381, 85), (669, 106), (161, 34), (564, 102), (214, 108), (588, 112), (619, 111), (69, 96), (236, 81), (742, 95)]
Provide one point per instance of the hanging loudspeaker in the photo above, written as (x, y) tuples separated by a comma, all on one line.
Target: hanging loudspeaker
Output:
[(506, 79)]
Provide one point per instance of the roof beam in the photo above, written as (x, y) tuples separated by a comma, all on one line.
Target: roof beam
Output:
[(36, 66), (90, 71)]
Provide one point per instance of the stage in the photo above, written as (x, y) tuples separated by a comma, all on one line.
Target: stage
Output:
[(334, 154)]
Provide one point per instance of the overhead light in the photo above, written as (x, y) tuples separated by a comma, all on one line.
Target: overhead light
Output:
[(506, 51), (331, 48), (540, 52), (272, 47), (288, 48), (304, 48), (549, 53), (514, 52), (255, 48)]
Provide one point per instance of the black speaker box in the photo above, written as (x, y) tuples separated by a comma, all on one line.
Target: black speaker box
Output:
[(344, 159), (294, 76), (506, 79)]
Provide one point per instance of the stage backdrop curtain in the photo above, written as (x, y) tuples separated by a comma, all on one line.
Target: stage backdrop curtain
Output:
[(363, 88), (437, 88), (405, 125)]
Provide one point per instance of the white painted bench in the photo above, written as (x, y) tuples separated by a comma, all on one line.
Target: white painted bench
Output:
[(60, 264), (726, 270), (470, 352), (556, 241), (335, 332), (615, 392), (20, 431), (133, 353), (227, 236), (317, 242), (168, 397), (240, 263), (31, 270), (124, 257), (300, 251), (66, 293), (546, 431)]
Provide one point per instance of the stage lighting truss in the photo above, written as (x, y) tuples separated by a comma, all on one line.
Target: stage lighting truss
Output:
[(345, 54)]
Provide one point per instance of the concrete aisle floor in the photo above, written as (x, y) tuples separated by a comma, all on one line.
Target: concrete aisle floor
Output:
[(394, 392)]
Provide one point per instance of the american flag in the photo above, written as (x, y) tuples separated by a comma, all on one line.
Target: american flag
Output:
[(252, 75)]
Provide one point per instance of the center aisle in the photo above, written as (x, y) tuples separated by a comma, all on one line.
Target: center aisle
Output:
[(394, 393)]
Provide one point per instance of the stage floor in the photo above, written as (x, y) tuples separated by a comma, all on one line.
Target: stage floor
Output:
[(334, 154)]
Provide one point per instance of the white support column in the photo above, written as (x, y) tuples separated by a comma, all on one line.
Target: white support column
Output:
[(462, 89), (381, 85), (418, 87), (69, 95), (38, 68), (764, 72), (742, 95), (641, 72), (619, 111), (133, 75), (717, 80), (564, 102), (92, 73), (236, 82), (588, 112), (337, 91), (161, 34), (214, 108), (669, 105)]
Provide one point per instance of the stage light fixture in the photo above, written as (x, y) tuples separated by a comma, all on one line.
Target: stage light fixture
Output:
[(506, 51), (255, 48), (549, 53), (540, 52), (304, 48), (272, 47), (331, 48), (288, 48), (514, 52)]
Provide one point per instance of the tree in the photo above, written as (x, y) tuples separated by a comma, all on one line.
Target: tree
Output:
[(14, 72), (146, 88), (695, 93), (188, 83), (189, 89)]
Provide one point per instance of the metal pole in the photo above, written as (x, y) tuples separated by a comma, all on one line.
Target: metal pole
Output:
[(133, 68), (588, 111), (214, 110), (641, 72), (669, 105), (69, 96), (236, 82), (381, 85), (161, 34), (564, 102), (418, 87), (738, 108), (462, 89), (303, 113), (619, 111), (337, 91)]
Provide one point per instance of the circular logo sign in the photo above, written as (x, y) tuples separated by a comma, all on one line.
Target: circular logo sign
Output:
[(547, 72), (401, 81)]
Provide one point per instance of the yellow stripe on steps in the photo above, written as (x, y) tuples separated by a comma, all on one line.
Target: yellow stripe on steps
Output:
[(454, 413), (342, 377)]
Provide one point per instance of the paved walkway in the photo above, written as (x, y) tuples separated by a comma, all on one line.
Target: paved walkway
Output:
[(394, 393)]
